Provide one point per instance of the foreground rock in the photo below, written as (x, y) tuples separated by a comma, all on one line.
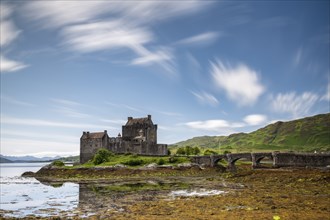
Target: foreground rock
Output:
[(56, 173)]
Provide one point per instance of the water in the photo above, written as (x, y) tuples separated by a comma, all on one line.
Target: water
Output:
[(22, 196)]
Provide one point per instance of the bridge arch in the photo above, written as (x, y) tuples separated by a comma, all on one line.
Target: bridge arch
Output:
[(258, 157), (232, 158), (221, 162)]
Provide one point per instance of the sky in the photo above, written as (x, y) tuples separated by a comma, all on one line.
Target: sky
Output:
[(198, 67)]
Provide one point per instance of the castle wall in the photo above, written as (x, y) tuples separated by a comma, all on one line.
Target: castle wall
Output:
[(133, 140), (89, 147), (117, 145)]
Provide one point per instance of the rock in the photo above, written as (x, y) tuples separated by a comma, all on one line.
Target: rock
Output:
[(151, 166), (165, 166), (120, 166), (185, 165), (28, 174)]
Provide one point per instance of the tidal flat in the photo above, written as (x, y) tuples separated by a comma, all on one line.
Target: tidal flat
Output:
[(193, 193)]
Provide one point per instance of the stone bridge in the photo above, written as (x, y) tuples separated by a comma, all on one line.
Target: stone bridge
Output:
[(278, 159)]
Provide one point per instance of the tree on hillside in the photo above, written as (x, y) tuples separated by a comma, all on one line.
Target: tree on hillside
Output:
[(181, 151)]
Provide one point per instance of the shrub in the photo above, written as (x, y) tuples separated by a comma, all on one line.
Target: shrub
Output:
[(181, 151), (57, 163), (161, 161), (134, 162), (226, 152), (103, 155), (173, 159), (210, 152), (196, 150)]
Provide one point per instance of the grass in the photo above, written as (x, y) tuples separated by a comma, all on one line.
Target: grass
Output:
[(306, 134), (138, 161), (135, 187)]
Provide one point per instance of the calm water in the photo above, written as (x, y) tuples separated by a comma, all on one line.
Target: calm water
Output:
[(22, 196)]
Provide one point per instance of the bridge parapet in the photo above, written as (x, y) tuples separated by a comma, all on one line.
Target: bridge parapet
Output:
[(300, 159), (206, 160), (279, 159), (257, 157)]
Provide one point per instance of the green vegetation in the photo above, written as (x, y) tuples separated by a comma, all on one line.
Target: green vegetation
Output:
[(134, 187), (102, 156), (58, 163), (74, 159), (307, 134), (187, 150), (107, 158)]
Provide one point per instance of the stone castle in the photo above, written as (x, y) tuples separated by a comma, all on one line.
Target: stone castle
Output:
[(139, 136)]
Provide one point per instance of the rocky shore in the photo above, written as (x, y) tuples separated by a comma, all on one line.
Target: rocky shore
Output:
[(147, 193)]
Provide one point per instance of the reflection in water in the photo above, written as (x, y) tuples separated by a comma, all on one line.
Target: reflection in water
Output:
[(82, 200), (26, 196), (116, 197)]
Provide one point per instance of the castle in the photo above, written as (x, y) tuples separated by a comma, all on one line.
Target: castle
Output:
[(139, 136)]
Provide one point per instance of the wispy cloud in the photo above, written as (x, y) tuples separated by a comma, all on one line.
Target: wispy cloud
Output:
[(8, 33), (69, 108), (14, 101), (206, 98), (297, 105), (200, 39), (20, 134), (116, 122), (39, 122), (241, 83), (36, 147), (123, 25), (125, 107), (298, 57), (255, 119), (175, 114), (217, 125), (7, 65), (326, 96)]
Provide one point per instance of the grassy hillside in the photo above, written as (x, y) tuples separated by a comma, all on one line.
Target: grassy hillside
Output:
[(306, 134)]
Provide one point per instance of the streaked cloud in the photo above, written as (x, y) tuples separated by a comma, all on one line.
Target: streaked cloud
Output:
[(7, 65), (217, 125), (39, 122), (122, 26), (206, 98), (295, 104), (69, 108), (35, 147), (14, 101), (23, 134), (298, 57), (104, 35), (326, 96), (256, 119), (124, 106), (200, 39), (8, 33), (241, 83)]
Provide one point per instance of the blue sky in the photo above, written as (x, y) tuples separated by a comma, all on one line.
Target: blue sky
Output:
[(198, 67)]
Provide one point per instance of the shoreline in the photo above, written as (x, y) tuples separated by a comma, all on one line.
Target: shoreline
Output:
[(252, 194)]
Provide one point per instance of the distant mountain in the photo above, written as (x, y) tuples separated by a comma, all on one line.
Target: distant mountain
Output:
[(307, 134), (28, 158), (4, 160)]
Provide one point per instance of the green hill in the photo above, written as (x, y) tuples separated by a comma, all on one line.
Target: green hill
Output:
[(307, 134)]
